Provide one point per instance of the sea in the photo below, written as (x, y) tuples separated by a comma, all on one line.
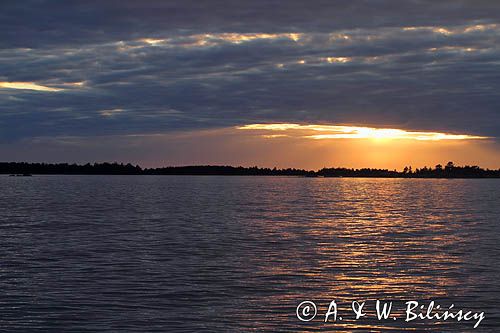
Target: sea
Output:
[(248, 254)]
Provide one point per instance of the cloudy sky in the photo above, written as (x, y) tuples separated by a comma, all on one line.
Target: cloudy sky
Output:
[(272, 83)]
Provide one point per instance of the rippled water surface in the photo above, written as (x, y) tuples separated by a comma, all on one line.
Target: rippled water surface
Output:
[(238, 254)]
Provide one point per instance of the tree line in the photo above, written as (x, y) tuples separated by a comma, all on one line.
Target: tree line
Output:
[(448, 171)]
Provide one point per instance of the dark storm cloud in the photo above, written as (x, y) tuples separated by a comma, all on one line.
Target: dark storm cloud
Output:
[(130, 67)]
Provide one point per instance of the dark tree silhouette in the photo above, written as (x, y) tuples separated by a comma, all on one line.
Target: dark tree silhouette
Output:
[(449, 171)]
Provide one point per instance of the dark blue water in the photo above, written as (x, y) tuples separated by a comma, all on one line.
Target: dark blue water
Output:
[(238, 254)]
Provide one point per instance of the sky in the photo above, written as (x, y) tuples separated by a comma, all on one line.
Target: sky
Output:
[(373, 83)]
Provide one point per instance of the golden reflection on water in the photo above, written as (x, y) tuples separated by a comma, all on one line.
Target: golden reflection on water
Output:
[(363, 239), (238, 254)]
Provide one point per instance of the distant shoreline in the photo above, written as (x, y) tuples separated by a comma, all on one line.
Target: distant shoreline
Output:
[(447, 171)]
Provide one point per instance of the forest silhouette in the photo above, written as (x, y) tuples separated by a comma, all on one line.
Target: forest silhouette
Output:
[(448, 171)]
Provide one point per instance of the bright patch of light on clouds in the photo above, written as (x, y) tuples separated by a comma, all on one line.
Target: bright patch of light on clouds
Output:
[(27, 86), (354, 132), (332, 60), (110, 112)]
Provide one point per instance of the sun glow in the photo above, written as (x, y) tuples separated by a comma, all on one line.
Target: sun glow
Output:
[(353, 132)]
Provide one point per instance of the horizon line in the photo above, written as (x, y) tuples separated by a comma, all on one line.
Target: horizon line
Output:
[(135, 165)]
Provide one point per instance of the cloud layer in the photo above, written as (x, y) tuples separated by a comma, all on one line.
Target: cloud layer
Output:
[(91, 68)]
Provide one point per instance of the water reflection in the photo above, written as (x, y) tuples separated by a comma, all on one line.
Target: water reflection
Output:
[(184, 254)]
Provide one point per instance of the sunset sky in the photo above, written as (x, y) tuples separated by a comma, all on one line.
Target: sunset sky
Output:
[(271, 83)]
